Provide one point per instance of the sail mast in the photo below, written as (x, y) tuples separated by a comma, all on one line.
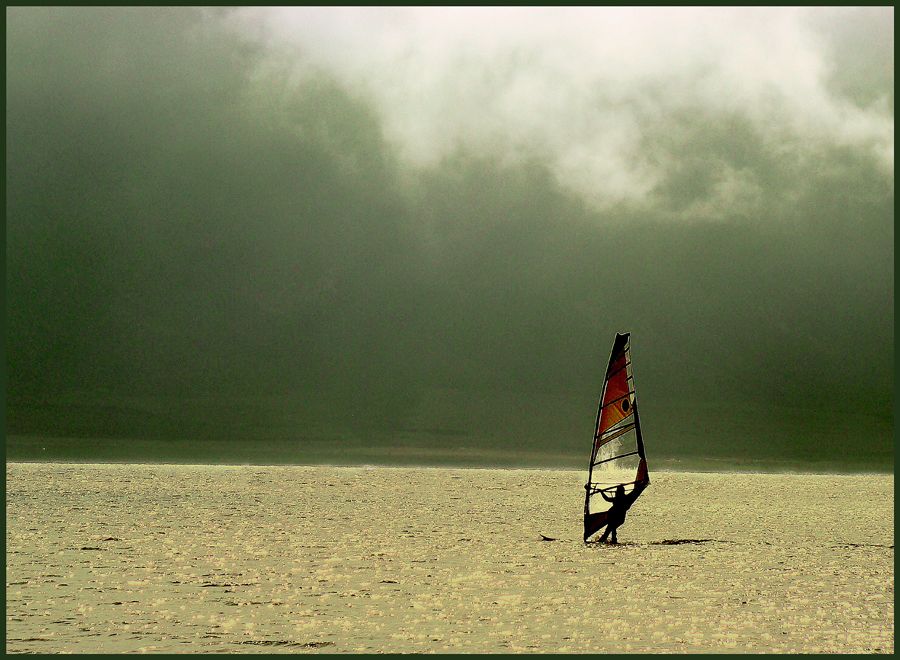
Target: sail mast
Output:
[(594, 446), (594, 449), (637, 428), (642, 474)]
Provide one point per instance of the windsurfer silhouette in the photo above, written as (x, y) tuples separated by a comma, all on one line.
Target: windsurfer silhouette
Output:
[(621, 502)]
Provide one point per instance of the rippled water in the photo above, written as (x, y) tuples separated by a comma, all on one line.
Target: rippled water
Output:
[(128, 558)]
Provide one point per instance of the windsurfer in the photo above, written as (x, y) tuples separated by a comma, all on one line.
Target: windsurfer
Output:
[(621, 502)]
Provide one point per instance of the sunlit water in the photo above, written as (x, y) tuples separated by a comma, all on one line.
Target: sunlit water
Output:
[(128, 558)]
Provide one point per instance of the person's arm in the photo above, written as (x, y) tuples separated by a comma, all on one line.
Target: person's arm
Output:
[(638, 489), (606, 497)]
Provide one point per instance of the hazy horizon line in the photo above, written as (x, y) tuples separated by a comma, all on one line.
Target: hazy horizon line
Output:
[(433, 466)]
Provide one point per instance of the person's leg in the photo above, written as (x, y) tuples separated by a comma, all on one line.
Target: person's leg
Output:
[(614, 539), (604, 535)]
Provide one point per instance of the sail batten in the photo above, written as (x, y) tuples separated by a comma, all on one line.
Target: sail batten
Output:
[(618, 443), (617, 400), (613, 433), (615, 458), (618, 369)]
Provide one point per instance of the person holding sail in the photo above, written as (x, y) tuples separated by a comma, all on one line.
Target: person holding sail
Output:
[(621, 502)]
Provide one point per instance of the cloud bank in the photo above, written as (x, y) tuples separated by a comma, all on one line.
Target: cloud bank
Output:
[(586, 88)]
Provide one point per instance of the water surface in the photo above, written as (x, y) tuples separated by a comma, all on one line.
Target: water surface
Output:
[(191, 558)]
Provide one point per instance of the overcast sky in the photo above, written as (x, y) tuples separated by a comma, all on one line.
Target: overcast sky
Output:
[(400, 215), (579, 86)]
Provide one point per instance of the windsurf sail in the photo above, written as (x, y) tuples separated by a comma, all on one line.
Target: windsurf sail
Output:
[(617, 454)]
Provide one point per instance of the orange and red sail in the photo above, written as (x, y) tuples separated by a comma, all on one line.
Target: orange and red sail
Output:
[(617, 419), (617, 398)]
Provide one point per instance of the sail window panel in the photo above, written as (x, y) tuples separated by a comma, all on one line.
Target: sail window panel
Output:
[(618, 457), (614, 433), (622, 446)]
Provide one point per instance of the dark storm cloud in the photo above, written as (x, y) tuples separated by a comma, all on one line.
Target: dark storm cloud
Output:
[(206, 240)]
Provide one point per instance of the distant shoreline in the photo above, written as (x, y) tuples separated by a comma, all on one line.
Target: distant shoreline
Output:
[(417, 466), (353, 452)]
